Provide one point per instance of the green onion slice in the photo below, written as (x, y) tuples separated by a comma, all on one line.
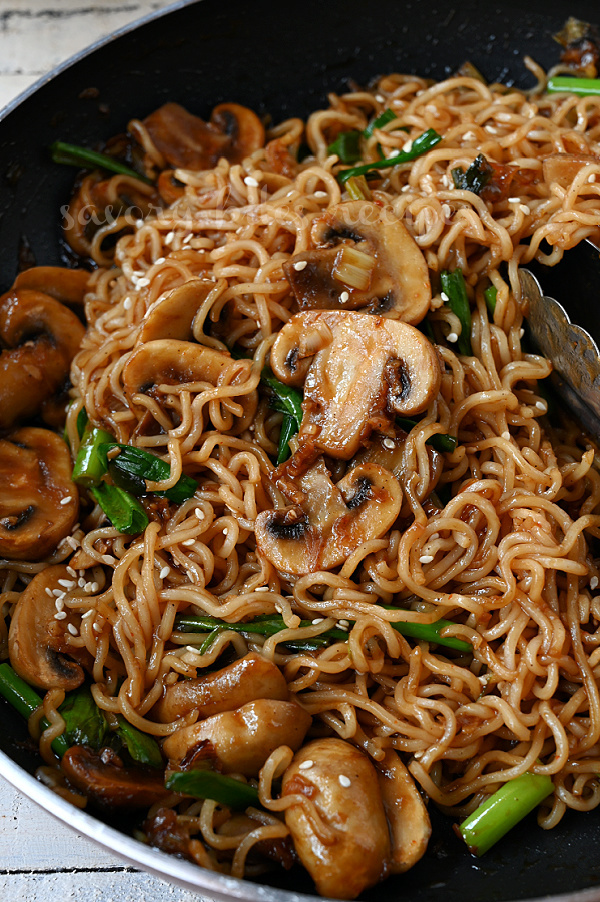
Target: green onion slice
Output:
[(123, 510), (453, 284), (74, 155), (420, 145), (25, 701), (570, 84), (206, 784)]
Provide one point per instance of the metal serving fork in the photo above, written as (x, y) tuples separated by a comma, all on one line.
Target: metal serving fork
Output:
[(567, 331)]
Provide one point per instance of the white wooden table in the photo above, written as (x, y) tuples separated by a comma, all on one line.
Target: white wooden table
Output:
[(40, 859)]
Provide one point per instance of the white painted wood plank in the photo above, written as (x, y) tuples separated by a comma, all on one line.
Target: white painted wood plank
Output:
[(123, 886), (37, 35)]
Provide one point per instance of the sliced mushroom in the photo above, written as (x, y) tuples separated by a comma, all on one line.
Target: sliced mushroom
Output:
[(105, 781), (65, 285), (41, 338), (562, 168), (341, 783), (172, 316), (245, 680), (171, 362), (365, 258), (187, 142), (410, 827), (369, 370), (39, 503), (36, 640), (240, 741), (331, 521)]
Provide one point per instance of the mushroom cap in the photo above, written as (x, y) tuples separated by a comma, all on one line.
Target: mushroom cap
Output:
[(105, 781), (332, 521), (172, 315), (366, 369), (41, 337), (354, 855), (39, 503), (410, 827), (36, 640), (187, 142), (398, 285)]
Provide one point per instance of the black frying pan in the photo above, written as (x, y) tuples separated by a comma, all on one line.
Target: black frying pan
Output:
[(281, 59)]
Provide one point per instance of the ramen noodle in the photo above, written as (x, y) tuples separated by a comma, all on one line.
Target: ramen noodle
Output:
[(277, 624)]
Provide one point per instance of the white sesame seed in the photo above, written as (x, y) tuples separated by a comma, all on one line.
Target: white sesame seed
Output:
[(344, 781), (491, 129), (341, 626), (278, 607), (318, 620), (251, 182), (225, 530), (592, 177), (67, 583), (191, 648), (97, 627), (58, 593), (108, 559), (541, 405), (72, 542), (71, 571), (164, 572), (160, 260), (405, 188), (300, 265), (521, 333), (444, 181), (524, 209), (62, 615), (506, 435), (188, 238), (88, 614), (49, 592), (394, 152), (594, 582), (426, 558), (380, 98), (59, 604), (261, 589), (452, 337), (81, 582), (94, 587), (88, 587), (188, 542), (169, 237), (446, 211), (444, 296), (321, 194), (344, 623), (344, 296), (199, 513), (306, 765), (72, 629), (389, 443), (407, 147), (514, 200), (66, 499), (143, 282)]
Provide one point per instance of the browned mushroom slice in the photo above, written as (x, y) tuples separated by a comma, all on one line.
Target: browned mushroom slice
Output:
[(369, 370), (41, 338), (172, 362), (240, 741), (39, 503), (36, 640), (365, 258), (410, 827), (65, 285), (172, 315), (332, 521), (187, 142), (341, 783), (104, 779), (245, 680)]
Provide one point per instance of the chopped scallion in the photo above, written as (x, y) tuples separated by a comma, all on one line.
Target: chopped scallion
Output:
[(82, 157), (570, 84), (123, 510), (207, 784), (420, 145), (453, 284)]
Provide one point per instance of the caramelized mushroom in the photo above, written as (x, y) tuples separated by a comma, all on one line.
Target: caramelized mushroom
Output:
[(410, 827), (245, 680), (65, 285), (240, 741), (562, 168), (341, 783), (366, 369), (105, 781), (172, 362), (365, 258), (41, 338), (187, 142), (172, 315), (331, 521), (39, 503), (36, 640)]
